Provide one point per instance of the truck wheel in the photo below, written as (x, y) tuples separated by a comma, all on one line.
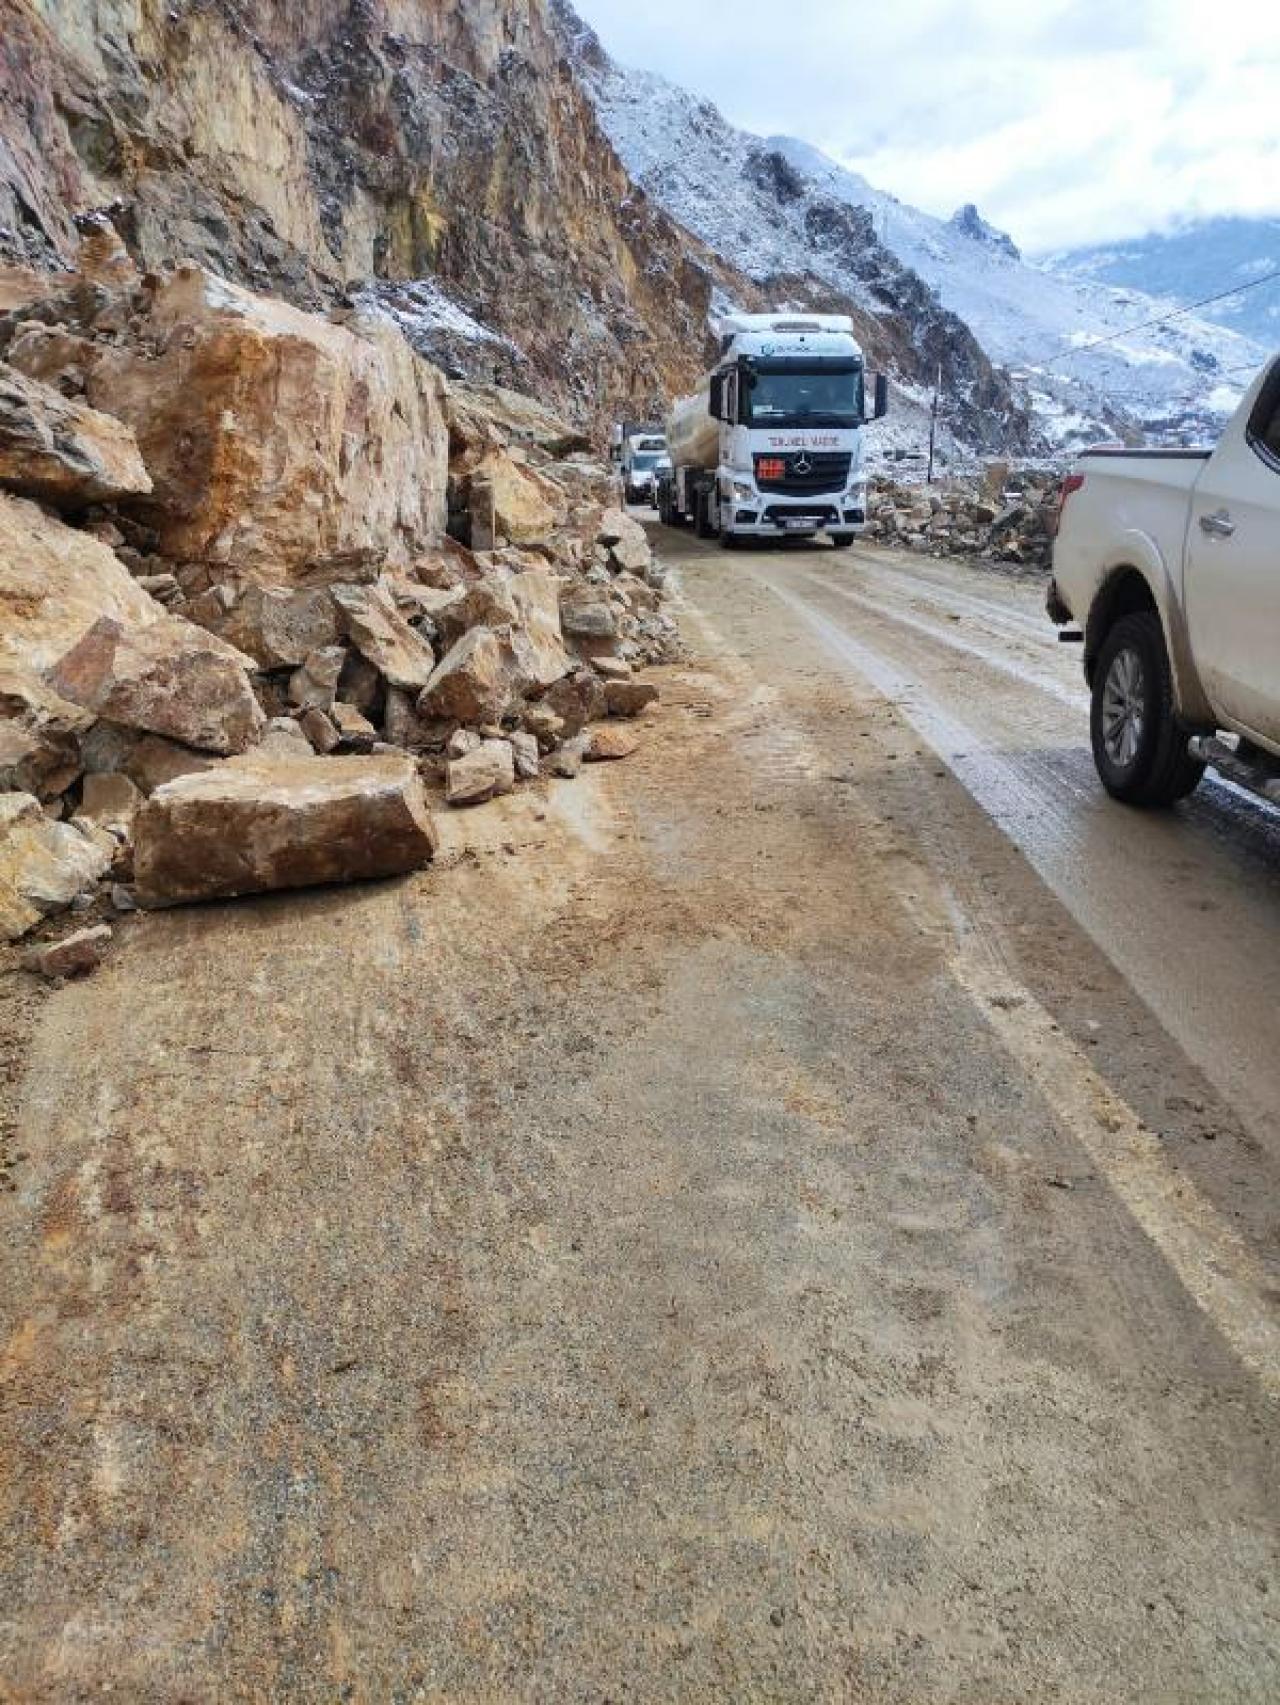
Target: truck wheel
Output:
[(1139, 747), (731, 541), (841, 541), (706, 526)]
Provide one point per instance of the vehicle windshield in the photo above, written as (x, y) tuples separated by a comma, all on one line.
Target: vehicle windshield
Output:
[(818, 397), (650, 459)]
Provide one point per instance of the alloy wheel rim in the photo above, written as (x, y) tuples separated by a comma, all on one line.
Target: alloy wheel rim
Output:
[(1124, 708)]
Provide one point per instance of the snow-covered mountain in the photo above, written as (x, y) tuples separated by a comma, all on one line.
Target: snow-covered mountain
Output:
[(1195, 261), (777, 207)]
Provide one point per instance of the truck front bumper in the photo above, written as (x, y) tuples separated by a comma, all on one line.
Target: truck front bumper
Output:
[(785, 520)]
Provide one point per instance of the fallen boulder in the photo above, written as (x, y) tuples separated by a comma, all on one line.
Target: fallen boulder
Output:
[(381, 635), (259, 823), (278, 626), (43, 864), (291, 448), (167, 678), (477, 680), (629, 698), (62, 452), (609, 743)]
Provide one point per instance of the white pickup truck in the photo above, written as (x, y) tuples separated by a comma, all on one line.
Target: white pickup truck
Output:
[(1167, 563)]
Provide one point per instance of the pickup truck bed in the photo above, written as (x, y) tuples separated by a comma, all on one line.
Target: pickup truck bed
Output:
[(1169, 560)]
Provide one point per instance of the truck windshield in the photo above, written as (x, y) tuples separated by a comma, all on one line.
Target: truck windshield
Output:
[(648, 460), (787, 396)]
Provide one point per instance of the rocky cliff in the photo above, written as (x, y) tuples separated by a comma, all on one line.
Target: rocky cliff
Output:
[(443, 157), (306, 151)]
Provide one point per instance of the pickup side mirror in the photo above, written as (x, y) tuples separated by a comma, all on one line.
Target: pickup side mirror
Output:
[(717, 396), (881, 405)]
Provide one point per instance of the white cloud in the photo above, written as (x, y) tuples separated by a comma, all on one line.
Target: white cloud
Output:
[(1067, 121)]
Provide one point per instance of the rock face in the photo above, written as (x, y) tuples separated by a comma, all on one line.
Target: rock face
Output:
[(261, 823), (62, 452), (288, 448), (307, 149), (43, 865)]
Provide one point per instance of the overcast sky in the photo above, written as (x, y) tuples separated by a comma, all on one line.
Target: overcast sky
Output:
[(1067, 121)]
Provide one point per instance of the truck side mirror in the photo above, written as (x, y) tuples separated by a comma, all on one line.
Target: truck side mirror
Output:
[(882, 396)]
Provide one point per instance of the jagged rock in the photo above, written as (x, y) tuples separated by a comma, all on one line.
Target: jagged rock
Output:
[(290, 448), (110, 800), (355, 732), (320, 730), (477, 680), (74, 956), (617, 528), (380, 633), (279, 627), (478, 412), (40, 737), (576, 700), (404, 727), (258, 823), (527, 756), (55, 583), (610, 742), (629, 698), (524, 510), (43, 864), (168, 678), (544, 724), (525, 603), (315, 685), (61, 451), (480, 775), (462, 741), (586, 612)]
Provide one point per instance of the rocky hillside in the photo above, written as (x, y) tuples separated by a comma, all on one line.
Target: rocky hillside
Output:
[(306, 151), (444, 160)]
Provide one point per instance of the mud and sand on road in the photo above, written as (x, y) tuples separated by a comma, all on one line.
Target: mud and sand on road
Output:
[(726, 1232)]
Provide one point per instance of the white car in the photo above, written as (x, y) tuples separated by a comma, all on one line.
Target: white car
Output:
[(1168, 562)]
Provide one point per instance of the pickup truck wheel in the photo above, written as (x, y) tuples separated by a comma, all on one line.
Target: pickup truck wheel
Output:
[(1139, 747)]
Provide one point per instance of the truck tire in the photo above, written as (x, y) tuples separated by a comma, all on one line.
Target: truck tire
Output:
[(841, 541), (730, 541), (706, 526), (1139, 746)]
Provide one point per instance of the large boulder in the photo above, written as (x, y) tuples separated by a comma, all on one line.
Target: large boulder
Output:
[(286, 446), (166, 677), (482, 415), (478, 680), (62, 452), (266, 822), (528, 604), (43, 864), (278, 626), (526, 508)]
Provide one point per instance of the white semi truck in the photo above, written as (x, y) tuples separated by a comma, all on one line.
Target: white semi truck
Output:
[(772, 445)]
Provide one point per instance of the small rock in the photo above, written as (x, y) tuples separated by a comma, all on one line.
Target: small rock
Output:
[(320, 731), (285, 738), (527, 756), (611, 742), (463, 741), (75, 956), (481, 774), (356, 731), (122, 898), (629, 698), (314, 685)]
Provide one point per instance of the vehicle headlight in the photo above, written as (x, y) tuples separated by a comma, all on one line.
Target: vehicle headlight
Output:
[(857, 494), (744, 490)]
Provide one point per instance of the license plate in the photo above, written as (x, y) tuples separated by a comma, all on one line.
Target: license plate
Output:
[(800, 526)]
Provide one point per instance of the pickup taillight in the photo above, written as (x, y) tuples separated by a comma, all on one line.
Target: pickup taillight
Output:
[(1070, 486)]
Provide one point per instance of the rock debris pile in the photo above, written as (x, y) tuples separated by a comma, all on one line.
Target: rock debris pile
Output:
[(1008, 516), (270, 587)]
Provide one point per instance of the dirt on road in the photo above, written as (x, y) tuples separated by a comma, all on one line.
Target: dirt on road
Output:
[(728, 1231)]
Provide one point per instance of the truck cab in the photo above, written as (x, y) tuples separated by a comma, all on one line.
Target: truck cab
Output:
[(773, 445)]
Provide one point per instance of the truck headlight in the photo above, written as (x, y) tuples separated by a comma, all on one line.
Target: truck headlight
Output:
[(744, 491)]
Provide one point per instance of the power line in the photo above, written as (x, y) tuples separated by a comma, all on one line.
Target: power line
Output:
[(1161, 319)]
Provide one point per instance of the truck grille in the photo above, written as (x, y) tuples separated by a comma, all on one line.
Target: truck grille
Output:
[(804, 472)]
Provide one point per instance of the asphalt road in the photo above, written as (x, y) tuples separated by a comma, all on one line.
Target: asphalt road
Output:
[(791, 1216)]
